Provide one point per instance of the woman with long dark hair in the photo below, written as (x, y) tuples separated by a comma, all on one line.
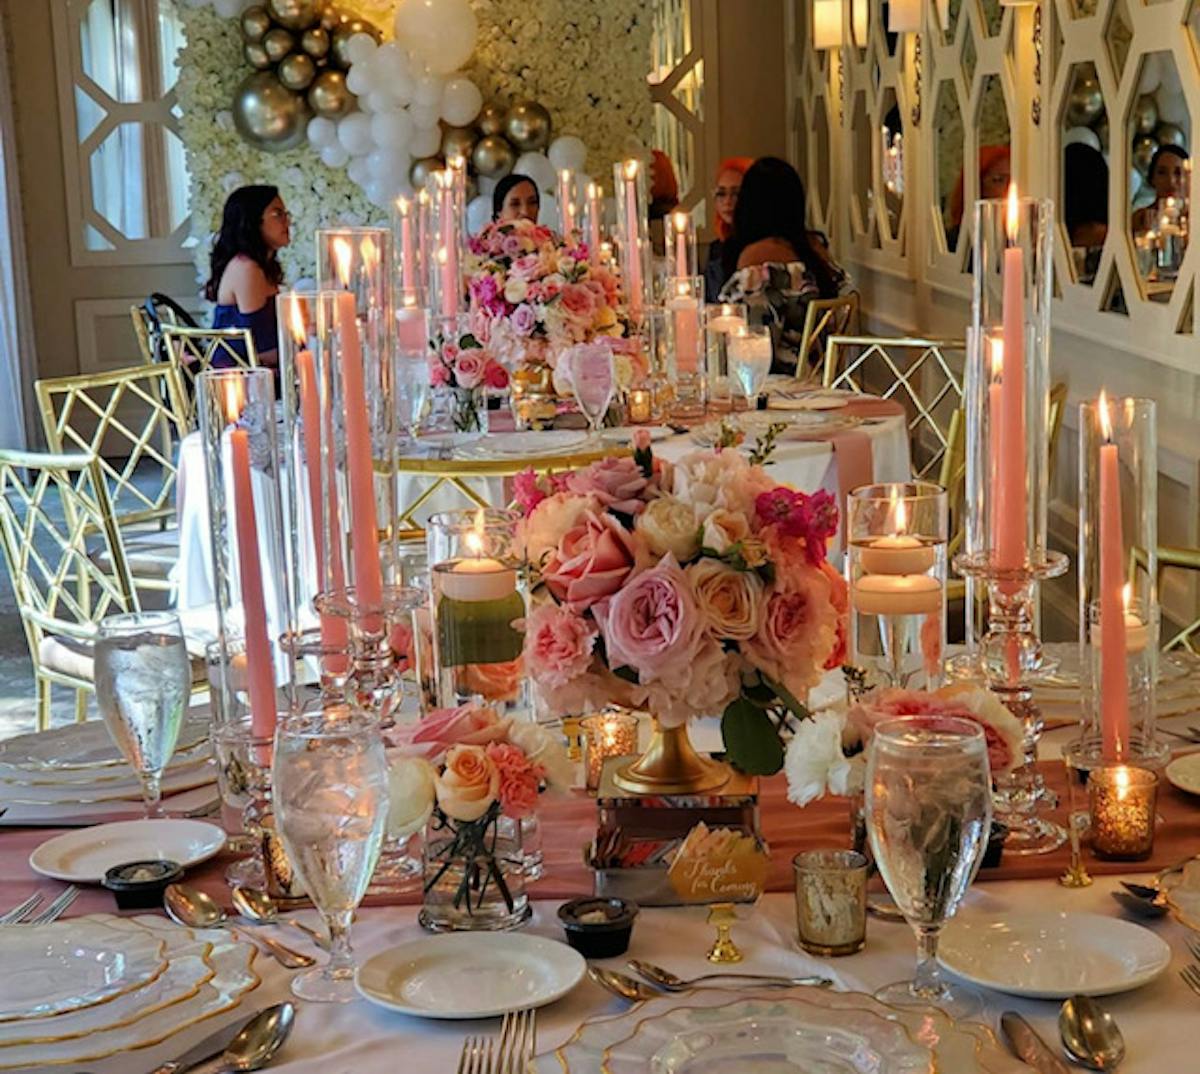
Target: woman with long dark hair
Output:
[(776, 265), (516, 197), (245, 271)]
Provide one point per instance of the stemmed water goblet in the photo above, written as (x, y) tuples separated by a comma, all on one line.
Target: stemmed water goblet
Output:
[(593, 380), (929, 811), (143, 681), (750, 351)]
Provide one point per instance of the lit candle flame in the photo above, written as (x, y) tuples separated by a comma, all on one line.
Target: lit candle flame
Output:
[(441, 255), (296, 321), (899, 514), (423, 196), (1105, 416), (593, 191), (630, 168), (681, 288), (403, 205), (679, 219), (1126, 595), (369, 253), (1013, 220), (565, 175), (997, 348), (234, 399), (343, 256), (474, 537), (1121, 779)]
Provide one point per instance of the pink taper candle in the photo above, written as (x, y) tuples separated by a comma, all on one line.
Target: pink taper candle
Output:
[(260, 668), (448, 254), (368, 575), (407, 251), (633, 257), (679, 222), (1010, 534), (994, 408), (594, 208), (1114, 680)]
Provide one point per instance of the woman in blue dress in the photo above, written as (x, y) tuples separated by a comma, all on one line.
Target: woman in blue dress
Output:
[(246, 273)]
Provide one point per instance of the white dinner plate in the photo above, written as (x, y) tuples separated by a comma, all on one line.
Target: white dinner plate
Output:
[(808, 402), (83, 856), (89, 745), (465, 975), (1052, 955), (531, 443), (624, 434), (1184, 773), (125, 790)]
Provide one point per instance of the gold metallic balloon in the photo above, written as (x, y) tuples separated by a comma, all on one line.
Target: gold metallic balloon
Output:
[(491, 119), (1085, 102), (1144, 146), (315, 42), (278, 43), (256, 56), (255, 23), (296, 71), (528, 125), (331, 18), (1145, 114), (294, 14), (1170, 134), (493, 158), (268, 116), (341, 38), (328, 95), (459, 142), (421, 170)]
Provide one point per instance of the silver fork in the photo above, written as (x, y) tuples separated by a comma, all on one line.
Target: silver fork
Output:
[(518, 1041), (57, 908), (21, 909), (475, 1057), (1191, 977)]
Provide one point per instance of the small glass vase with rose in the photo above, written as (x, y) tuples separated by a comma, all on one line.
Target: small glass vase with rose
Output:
[(461, 371)]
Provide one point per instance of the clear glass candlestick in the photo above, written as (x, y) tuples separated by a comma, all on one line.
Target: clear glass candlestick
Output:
[(409, 271), (685, 336), (720, 321), (897, 537), (630, 190)]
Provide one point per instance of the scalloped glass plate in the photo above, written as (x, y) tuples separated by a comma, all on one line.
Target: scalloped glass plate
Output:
[(106, 779), (233, 975), (761, 1036), (174, 782), (964, 1048), (89, 745), (67, 965)]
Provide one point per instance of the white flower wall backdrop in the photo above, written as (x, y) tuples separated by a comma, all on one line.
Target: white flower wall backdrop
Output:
[(344, 115)]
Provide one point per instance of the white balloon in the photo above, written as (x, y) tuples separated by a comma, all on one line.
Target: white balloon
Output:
[(1169, 74), (486, 185), (377, 101), (392, 127), (424, 115), (359, 48), (425, 141), (390, 61), (461, 101), (384, 162), (568, 152), (428, 89), (548, 210), (321, 132), (440, 32), (358, 170), (354, 132), (538, 167), (1151, 74), (1083, 136), (359, 80), (479, 212), (230, 9), (334, 154), (379, 190)]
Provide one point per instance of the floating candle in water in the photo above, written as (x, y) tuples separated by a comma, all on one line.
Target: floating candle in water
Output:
[(899, 552), (896, 594)]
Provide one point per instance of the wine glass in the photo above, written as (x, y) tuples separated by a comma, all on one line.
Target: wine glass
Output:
[(593, 379), (749, 349), (329, 786), (929, 809), (143, 681)]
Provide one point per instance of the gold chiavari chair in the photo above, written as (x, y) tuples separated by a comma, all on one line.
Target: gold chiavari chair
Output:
[(1172, 557), (55, 516), (924, 375), (193, 350), (825, 318), (144, 332), (131, 420)]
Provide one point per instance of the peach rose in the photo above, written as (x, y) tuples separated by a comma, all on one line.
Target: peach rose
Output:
[(469, 783), (732, 601), (593, 560)]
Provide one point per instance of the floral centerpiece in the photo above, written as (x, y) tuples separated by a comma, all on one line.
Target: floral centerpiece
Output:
[(698, 588), (461, 368), (468, 777)]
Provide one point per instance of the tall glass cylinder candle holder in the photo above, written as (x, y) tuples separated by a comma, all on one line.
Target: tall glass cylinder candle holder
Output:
[(410, 356), (720, 321), (685, 333), (247, 544), (477, 602), (566, 194), (1118, 572), (445, 286), (679, 229), (1007, 395), (456, 165), (897, 535), (409, 273), (593, 222), (633, 235)]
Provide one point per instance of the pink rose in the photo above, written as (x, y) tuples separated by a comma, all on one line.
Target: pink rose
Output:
[(578, 301), (450, 351), (523, 320), (653, 625), (592, 561), (439, 373), (617, 482), (473, 725), (519, 780), (469, 368), (798, 631), (558, 644), (468, 785)]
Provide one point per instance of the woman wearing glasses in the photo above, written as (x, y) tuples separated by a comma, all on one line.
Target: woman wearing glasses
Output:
[(245, 270), (725, 195)]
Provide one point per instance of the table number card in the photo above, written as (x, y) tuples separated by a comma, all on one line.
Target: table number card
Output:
[(719, 865)]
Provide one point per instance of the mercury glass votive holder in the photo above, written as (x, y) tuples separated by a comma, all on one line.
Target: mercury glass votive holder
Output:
[(1122, 803), (607, 734), (897, 536), (831, 901)]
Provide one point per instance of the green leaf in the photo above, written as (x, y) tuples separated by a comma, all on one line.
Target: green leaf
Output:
[(795, 706), (626, 672), (751, 740)]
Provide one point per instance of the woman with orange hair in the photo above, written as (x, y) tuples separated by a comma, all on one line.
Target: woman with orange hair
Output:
[(995, 172), (725, 195)]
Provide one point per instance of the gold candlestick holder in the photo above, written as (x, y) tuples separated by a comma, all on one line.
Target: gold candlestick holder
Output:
[(723, 917)]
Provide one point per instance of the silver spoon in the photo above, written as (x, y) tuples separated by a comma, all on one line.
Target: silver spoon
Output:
[(260, 908), (1090, 1035), (620, 984), (195, 909), (252, 1048), (1138, 906), (656, 975)]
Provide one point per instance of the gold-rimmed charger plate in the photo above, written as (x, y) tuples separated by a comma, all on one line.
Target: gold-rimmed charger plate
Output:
[(85, 794), (110, 778), (89, 746)]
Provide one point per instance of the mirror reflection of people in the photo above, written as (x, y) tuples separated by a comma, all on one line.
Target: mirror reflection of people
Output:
[(245, 274), (995, 173), (1167, 176), (776, 264), (516, 197), (1085, 206), (725, 196)]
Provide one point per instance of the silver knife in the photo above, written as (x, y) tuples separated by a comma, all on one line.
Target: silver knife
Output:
[(209, 1048), (1027, 1045)]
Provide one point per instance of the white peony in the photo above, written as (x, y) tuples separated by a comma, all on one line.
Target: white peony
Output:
[(669, 525), (814, 762), (410, 794), (545, 747)]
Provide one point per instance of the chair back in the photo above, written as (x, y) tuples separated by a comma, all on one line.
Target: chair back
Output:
[(1054, 421), (924, 375), (192, 351), (131, 420), (56, 526), (823, 318)]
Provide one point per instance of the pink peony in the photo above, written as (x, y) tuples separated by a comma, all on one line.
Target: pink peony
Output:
[(798, 631), (558, 644), (592, 561), (617, 482), (579, 302), (528, 491), (519, 780), (469, 368)]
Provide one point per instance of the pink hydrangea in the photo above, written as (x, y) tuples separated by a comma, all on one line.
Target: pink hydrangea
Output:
[(520, 779)]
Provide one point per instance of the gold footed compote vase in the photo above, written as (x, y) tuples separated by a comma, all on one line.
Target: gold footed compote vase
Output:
[(671, 765)]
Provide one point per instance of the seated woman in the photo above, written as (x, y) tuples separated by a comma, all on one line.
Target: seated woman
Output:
[(516, 197), (775, 264), (245, 270), (995, 173), (1167, 177), (1085, 206), (725, 196)]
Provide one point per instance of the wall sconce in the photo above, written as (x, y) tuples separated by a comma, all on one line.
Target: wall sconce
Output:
[(829, 30), (904, 16)]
